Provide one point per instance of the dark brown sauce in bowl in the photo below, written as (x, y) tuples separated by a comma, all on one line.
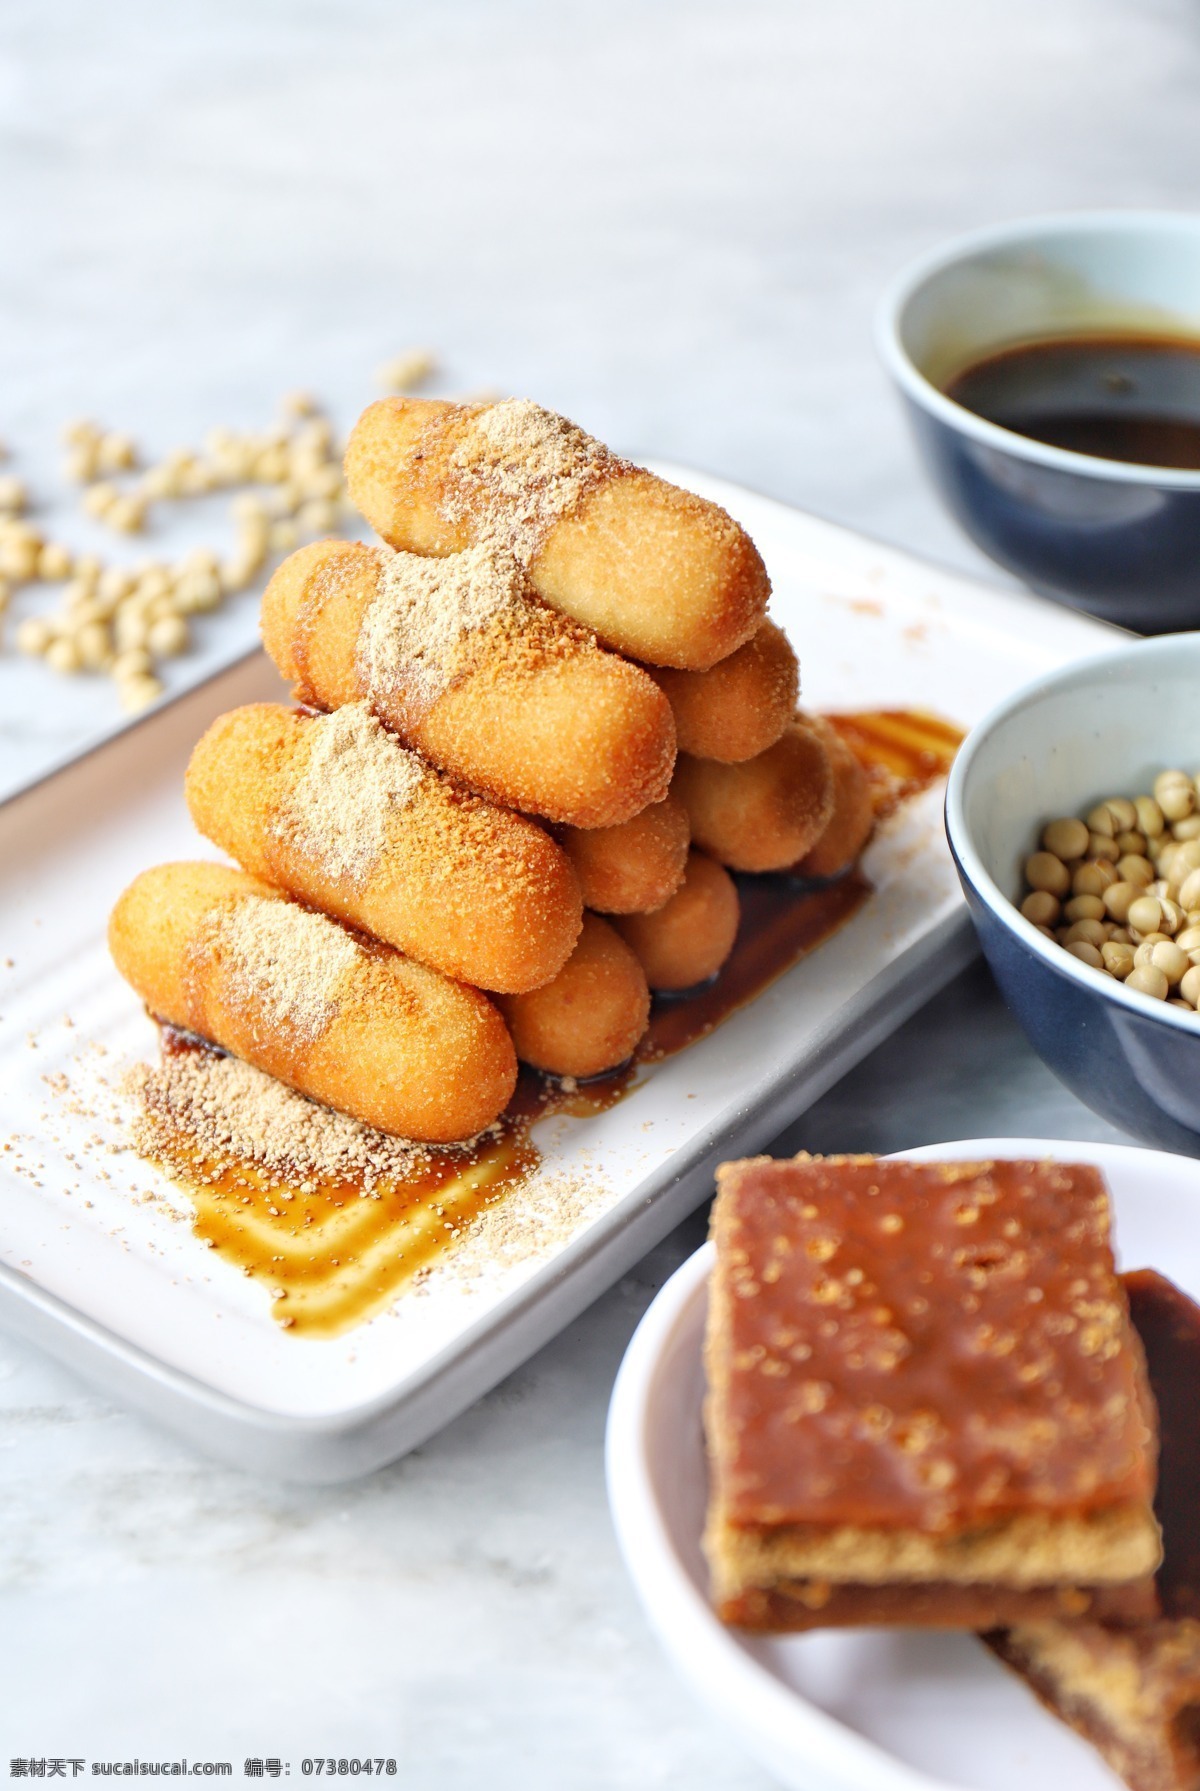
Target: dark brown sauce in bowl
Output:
[(332, 1253), (1131, 398)]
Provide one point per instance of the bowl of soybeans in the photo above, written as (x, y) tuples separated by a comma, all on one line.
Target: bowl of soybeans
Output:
[(1073, 813)]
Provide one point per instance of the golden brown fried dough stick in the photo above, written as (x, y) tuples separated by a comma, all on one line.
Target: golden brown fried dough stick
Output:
[(658, 573), (767, 812), (633, 868), (741, 705), (467, 666), (590, 1018), (354, 1025), (333, 809), (689, 939), (853, 819)]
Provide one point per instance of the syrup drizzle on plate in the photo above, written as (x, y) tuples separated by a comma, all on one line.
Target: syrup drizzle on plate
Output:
[(332, 1254)]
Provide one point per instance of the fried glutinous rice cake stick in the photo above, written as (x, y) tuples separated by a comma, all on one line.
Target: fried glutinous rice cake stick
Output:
[(470, 668), (688, 939), (658, 573), (852, 821), (333, 809), (590, 1018), (764, 813), (635, 867), (741, 705), (1133, 1690), (349, 1022), (926, 1402)]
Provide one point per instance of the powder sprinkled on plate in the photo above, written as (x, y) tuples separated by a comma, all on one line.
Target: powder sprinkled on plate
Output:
[(334, 1218), (226, 1113)]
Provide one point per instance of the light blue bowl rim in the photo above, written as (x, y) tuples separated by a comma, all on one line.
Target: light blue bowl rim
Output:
[(912, 382), (1080, 672)]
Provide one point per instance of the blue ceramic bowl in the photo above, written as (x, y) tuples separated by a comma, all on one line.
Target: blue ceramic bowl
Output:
[(1118, 540), (1102, 727)]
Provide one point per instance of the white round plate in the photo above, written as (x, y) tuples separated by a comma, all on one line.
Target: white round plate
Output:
[(867, 1709)]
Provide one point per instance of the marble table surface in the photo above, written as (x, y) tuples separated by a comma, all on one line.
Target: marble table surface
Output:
[(672, 220)]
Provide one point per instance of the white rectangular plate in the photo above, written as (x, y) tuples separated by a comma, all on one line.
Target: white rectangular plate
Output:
[(97, 1258)]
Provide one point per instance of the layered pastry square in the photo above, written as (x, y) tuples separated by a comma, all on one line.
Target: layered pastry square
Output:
[(1133, 1690), (927, 1404)]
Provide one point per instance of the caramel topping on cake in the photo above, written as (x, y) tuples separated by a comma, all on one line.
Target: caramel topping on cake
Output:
[(922, 1346)]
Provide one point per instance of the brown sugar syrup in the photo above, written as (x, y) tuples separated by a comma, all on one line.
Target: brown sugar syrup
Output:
[(334, 1253)]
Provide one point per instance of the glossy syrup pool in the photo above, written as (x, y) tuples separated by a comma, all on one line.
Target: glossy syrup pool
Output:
[(333, 1253)]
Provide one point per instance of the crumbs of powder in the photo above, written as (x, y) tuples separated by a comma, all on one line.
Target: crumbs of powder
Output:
[(284, 958), (413, 633), (356, 777), (223, 1112), (527, 1227), (516, 469)]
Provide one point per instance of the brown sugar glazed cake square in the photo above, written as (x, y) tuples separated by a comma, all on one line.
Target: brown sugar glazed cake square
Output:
[(926, 1402)]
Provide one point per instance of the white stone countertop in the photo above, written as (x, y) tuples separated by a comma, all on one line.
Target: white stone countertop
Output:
[(670, 220)]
